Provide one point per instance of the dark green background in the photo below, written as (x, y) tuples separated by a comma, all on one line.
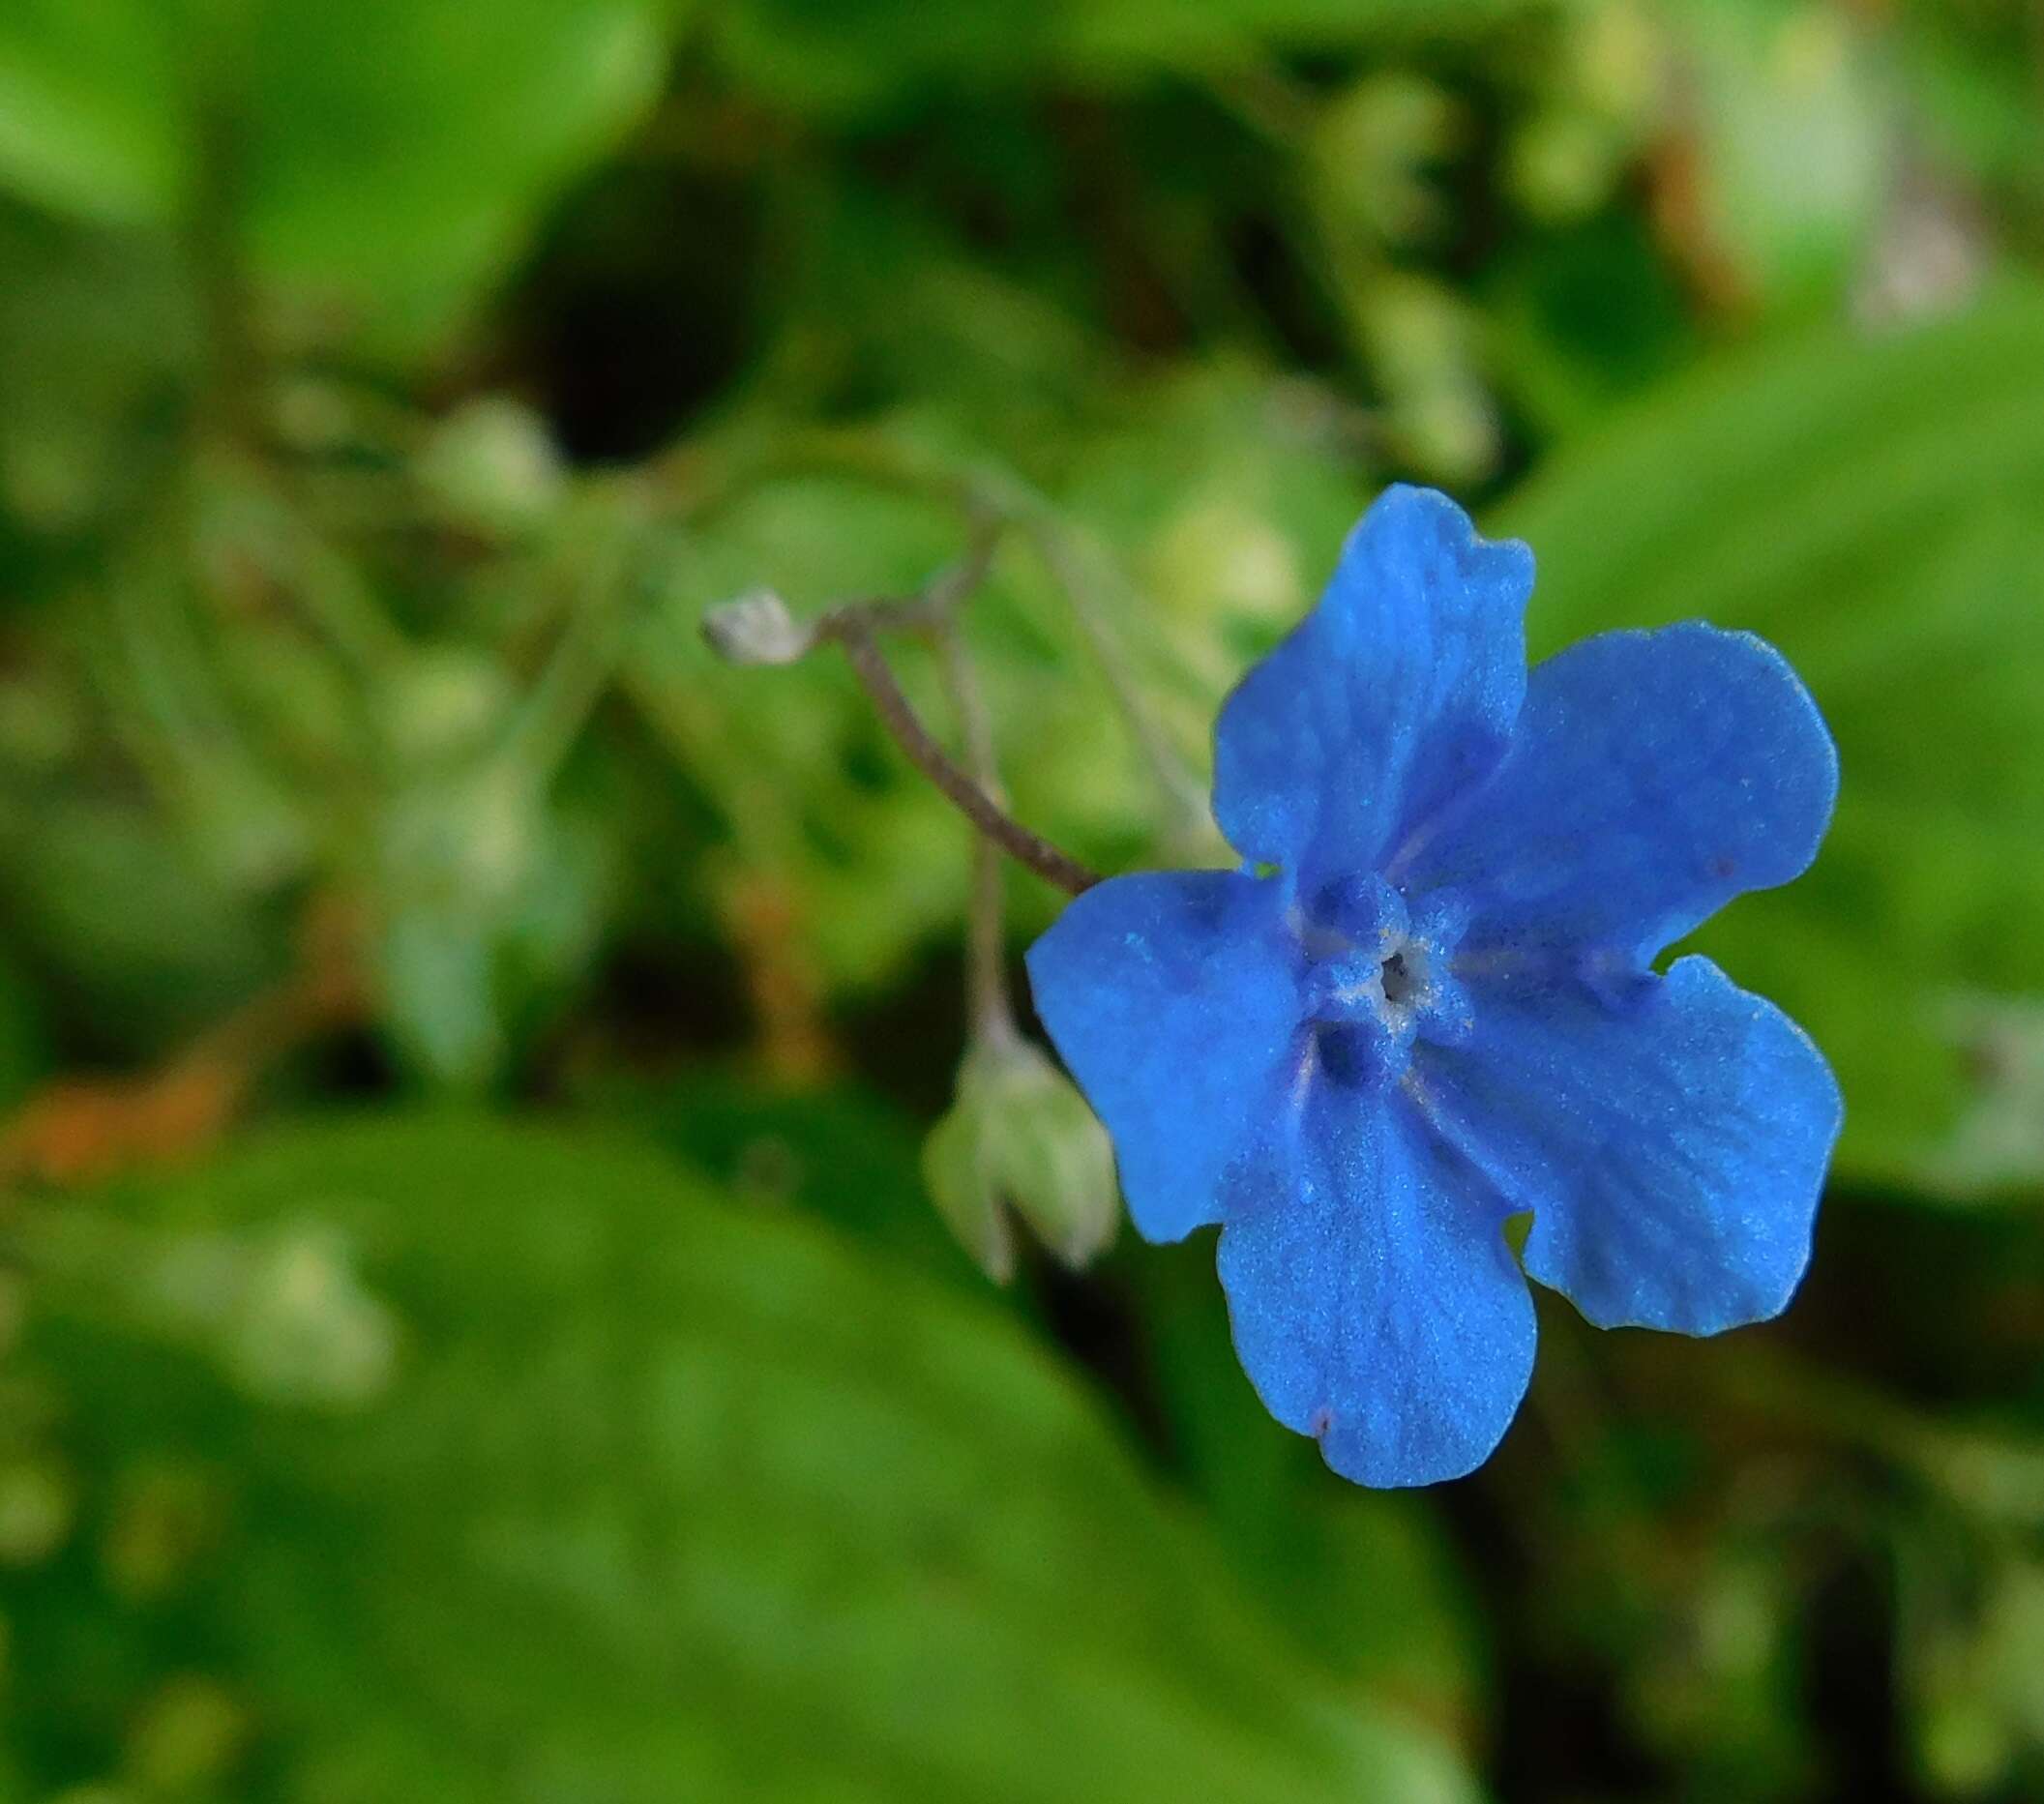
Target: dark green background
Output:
[(472, 1325)]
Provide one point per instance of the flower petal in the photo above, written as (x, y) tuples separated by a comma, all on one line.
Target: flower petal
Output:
[(1375, 1304), (1653, 776), (1173, 998), (1671, 1143), (1397, 689)]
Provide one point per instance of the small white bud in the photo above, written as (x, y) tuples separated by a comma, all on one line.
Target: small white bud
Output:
[(757, 628)]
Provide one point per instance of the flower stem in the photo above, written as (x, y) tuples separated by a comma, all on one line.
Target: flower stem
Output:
[(993, 1020), (853, 628), (757, 628), (1092, 590)]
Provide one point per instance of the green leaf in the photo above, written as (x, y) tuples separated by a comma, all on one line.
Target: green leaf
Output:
[(385, 158), (399, 148), (666, 1501), (839, 1152), (1877, 510), (91, 111)]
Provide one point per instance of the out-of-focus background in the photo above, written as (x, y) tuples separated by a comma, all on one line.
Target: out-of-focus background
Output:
[(473, 1323)]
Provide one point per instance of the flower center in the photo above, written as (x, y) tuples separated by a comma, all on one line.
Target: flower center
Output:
[(1389, 983), (1374, 979), (1397, 978)]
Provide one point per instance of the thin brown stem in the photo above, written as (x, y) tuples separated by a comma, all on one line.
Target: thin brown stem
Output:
[(757, 628), (852, 629), (992, 1018)]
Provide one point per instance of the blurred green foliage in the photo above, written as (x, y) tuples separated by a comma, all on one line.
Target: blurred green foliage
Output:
[(386, 393), (596, 1535)]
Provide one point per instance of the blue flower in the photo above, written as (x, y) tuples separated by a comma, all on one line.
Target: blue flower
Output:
[(1427, 1002)]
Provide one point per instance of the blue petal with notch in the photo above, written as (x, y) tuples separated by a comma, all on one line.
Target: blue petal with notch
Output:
[(1375, 1302), (1653, 776), (1397, 691), (1671, 1141)]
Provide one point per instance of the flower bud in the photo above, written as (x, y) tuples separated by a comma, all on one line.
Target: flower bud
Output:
[(1021, 1138), (756, 628)]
